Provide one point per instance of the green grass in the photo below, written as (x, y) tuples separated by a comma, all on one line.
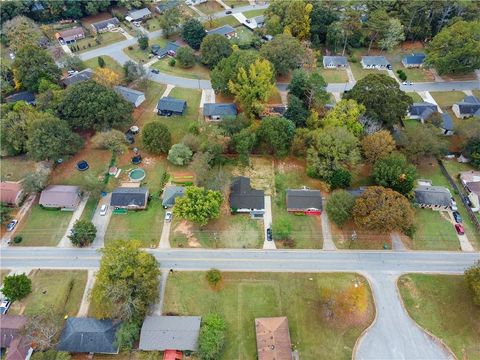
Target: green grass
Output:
[(107, 38), (109, 63), (237, 3), (244, 36), (476, 93), (90, 208), (443, 305), (210, 7), (433, 232), (415, 97), (15, 168), (197, 71), (242, 297), (334, 76), (447, 98), (412, 123), (143, 225), (227, 20), (253, 13), (359, 72), (43, 227), (144, 55)]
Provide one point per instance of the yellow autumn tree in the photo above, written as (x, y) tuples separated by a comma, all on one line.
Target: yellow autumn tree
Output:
[(106, 77), (298, 19)]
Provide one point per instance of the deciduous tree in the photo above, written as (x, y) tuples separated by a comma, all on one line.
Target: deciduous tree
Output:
[(83, 233), (276, 134), (113, 140), (420, 141), (244, 142), (212, 337), (214, 48), (346, 113), (340, 207), (193, 33), (106, 77), (297, 19), (472, 277), (213, 276), (180, 154), (143, 42), (5, 214), (394, 35), (310, 88), (43, 327), (185, 57), (396, 173), (35, 181), (156, 137), (377, 146), (16, 287), (285, 53), (127, 334), (133, 71), (198, 205), (21, 31), (169, 21)]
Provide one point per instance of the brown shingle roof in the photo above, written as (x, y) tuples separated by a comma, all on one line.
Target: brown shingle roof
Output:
[(63, 196), (18, 349), (273, 338), (10, 326), (9, 192)]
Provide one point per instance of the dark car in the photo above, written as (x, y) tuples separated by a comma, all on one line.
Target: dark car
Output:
[(459, 228), (155, 71), (269, 234), (228, 12), (457, 217)]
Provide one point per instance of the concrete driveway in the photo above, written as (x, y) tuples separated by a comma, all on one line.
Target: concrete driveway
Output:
[(267, 223), (27, 204), (101, 222), (165, 237)]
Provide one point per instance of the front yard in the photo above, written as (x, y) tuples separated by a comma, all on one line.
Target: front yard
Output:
[(139, 55), (109, 63), (197, 71), (445, 99), (333, 76), (434, 231), (91, 42), (359, 72), (210, 7), (305, 299)]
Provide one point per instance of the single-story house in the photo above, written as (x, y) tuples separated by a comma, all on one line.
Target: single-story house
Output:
[(138, 15), (226, 30), (11, 193), (447, 124), (168, 106), (217, 111), (134, 97), (161, 333), (468, 107), (244, 199), (66, 197), (433, 197), (129, 198), (169, 49), (273, 338), (273, 110), (422, 110), (195, 2), (78, 76), (165, 5), (70, 36), (375, 62), (11, 337), (335, 62), (105, 25), (471, 182), (26, 96), (255, 22), (304, 201), (169, 195), (413, 60), (89, 335)]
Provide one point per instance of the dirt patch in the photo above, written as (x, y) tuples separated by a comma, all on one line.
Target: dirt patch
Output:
[(412, 45), (185, 228), (260, 172)]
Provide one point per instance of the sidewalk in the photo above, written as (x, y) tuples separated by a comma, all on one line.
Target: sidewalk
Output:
[(85, 304), (65, 241), (426, 96), (158, 307), (101, 222), (208, 96)]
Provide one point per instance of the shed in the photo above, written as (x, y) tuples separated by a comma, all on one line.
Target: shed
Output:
[(105, 25), (304, 201), (61, 196), (273, 338), (168, 106), (138, 15), (374, 62), (217, 111), (134, 97), (129, 198), (335, 62), (434, 197), (26, 96), (79, 76), (244, 199), (169, 195), (226, 30), (11, 193), (413, 60)]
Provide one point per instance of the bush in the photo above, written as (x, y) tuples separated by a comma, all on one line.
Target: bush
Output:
[(17, 239), (402, 75), (340, 207), (212, 337), (185, 57), (213, 276), (101, 62), (143, 42), (83, 233), (340, 179), (172, 62), (16, 287), (180, 154), (156, 137), (127, 334)]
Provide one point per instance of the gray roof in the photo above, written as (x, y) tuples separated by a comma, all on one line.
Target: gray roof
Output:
[(417, 109), (168, 103), (88, 335), (447, 121), (335, 60), (67, 196), (80, 76), (242, 196), (216, 109), (357, 192), (222, 30), (139, 14), (375, 60), (170, 194), (104, 23), (304, 199), (128, 94), (169, 47), (170, 333), (166, 5), (413, 59), (433, 195), (260, 20), (26, 96), (129, 196), (470, 105)]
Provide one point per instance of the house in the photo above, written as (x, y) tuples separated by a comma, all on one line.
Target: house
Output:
[(12, 339), (413, 60), (78, 76), (66, 197), (168, 106), (471, 182), (421, 111), (446, 124), (161, 333), (255, 22), (169, 49), (134, 97), (89, 335), (468, 107), (217, 111), (105, 25), (225, 30), (273, 339), (169, 195), (195, 2), (129, 198), (70, 36), (138, 15), (433, 197), (11, 193), (166, 5), (26, 96), (244, 199), (375, 62), (308, 202), (335, 62)]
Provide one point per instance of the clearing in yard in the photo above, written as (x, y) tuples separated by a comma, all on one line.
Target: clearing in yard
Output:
[(197, 71), (333, 75), (60, 289), (443, 305), (317, 329), (260, 171), (15, 168), (445, 99), (434, 231)]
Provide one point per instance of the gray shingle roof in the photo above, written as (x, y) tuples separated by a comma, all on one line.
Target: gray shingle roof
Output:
[(26, 96), (242, 196), (104, 23), (222, 30), (139, 14), (170, 332), (335, 61), (88, 335), (169, 47), (168, 103), (304, 199), (375, 60), (216, 109), (170, 194), (80, 76), (417, 109), (414, 59), (433, 195), (447, 121), (128, 94), (129, 197)]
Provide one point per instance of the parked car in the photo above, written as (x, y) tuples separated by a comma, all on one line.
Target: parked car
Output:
[(155, 71), (457, 217), (168, 216), (228, 12), (407, 83), (269, 234), (103, 210), (11, 225), (4, 306), (459, 228)]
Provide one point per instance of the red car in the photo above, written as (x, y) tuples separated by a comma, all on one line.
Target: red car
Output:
[(459, 228)]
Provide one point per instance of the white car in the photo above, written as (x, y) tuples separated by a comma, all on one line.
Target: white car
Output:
[(11, 225), (407, 83), (103, 210), (168, 216), (4, 306)]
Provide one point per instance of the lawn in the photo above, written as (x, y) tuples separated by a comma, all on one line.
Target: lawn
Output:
[(350, 237), (244, 36), (134, 51), (197, 71), (144, 225), (210, 7), (16, 168), (109, 63), (226, 20), (412, 123), (443, 305), (90, 43), (236, 3), (242, 297), (43, 227), (415, 97), (62, 290), (359, 72), (90, 208), (253, 13), (476, 93), (447, 98), (334, 76), (434, 231)]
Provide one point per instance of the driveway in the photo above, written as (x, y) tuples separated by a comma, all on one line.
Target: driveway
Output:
[(65, 241), (165, 237), (27, 204), (328, 243), (101, 222), (465, 244), (426, 96), (267, 223), (85, 304)]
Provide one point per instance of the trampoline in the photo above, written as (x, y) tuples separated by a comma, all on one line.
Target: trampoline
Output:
[(82, 165)]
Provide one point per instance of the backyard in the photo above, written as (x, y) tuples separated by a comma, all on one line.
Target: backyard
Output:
[(15, 168), (242, 297)]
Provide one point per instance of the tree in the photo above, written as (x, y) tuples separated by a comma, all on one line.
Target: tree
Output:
[(321, 17), (394, 35), (16, 287), (101, 62), (382, 98), (377, 25), (346, 113), (350, 25), (284, 52), (297, 19), (214, 48), (193, 33), (42, 328), (73, 62), (185, 57), (169, 21), (396, 173), (179, 154), (127, 334), (244, 142), (273, 25), (473, 152), (5, 214), (377, 146), (106, 77), (340, 179), (212, 337), (282, 228), (310, 88), (156, 137), (455, 49), (51, 355), (468, 131), (83, 233), (6, 77), (296, 111), (276, 134), (14, 128), (335, 36), (88, 105), (253, 87), (35, 181), (133, 71), (49, 138), (384, 210), (331, 149), (127, 281), (33, 64), (340, 207), (21, 31), (420, 141), (143, 42), (198, 205), (214, 277), (113, 140), (472, 277)]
